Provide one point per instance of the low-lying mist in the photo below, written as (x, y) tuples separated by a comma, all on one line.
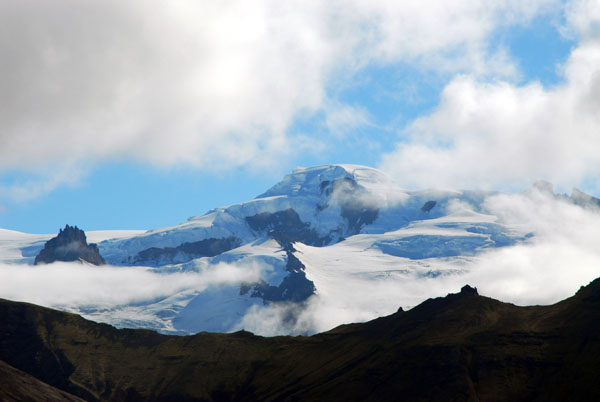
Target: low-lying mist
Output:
[(75, 285), (562, 255)]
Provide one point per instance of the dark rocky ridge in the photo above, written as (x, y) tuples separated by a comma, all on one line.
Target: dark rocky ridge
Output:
[(295, 287), (70, 245), (462, 347), (185, 252), (428, 206), (286, 227), (584, 200)]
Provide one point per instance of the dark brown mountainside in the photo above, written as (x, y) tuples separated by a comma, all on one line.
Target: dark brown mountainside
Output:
[(462, 347), (17, 386)]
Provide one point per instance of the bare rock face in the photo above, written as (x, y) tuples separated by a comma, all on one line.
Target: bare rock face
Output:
[(70, 245)]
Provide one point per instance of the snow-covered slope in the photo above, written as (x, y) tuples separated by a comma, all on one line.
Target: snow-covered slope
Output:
[(350, 217), (317, 206), (324, 246)]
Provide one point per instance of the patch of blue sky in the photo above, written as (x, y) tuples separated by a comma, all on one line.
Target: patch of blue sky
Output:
[(132, 196), (538, 48), (387, 98), (394, 94)]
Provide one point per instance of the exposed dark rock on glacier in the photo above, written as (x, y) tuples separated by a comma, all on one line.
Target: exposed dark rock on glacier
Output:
[(428, 206), (295, 287), (70, 245), (357, 216), (286, 227), (185, 252)]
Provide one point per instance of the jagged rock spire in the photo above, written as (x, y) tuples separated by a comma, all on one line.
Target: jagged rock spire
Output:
[(70, 245)]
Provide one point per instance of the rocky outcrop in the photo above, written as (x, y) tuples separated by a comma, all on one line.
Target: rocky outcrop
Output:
[(155, 256), (584, 200), (286, 228), (70, 245), (295, 287), (428, 206)]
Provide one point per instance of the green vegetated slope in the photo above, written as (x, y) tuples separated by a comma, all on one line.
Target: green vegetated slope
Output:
[(462, 347)]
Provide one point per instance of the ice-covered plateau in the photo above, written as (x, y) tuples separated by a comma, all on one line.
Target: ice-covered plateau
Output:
[(328, 232)]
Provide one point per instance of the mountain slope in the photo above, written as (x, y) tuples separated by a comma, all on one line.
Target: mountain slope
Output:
[(317, 206), (462, 347), (325, 208), (329, 245), (18, 386)]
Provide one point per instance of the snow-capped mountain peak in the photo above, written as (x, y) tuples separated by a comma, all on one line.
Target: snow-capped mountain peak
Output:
[(318, 232), (304, 181)]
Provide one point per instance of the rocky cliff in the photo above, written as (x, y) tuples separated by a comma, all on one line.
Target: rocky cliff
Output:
[(70, 245)]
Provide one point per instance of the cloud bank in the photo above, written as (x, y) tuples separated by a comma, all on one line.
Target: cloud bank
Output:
[(72, 286), (215, 85), (496, 133)]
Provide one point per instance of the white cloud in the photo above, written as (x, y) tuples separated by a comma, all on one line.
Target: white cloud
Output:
[(211, 84), (74, 286), (32, 186), (583, 19), (562, 256), (342, 120), (488, 134)]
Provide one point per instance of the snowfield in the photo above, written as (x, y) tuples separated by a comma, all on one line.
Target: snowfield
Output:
[(325, 246)]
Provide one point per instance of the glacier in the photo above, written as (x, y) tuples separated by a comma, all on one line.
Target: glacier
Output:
[(343, 240)]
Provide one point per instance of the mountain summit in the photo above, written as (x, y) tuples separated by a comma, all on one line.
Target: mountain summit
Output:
[(70, 245), (312, 233), (323, 246)]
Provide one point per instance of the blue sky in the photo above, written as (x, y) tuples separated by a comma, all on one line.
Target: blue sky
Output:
[(177, 109)]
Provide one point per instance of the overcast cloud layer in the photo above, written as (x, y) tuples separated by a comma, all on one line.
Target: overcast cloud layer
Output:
[(217, 85)]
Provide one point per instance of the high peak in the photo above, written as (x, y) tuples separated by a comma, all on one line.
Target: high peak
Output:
[(69, 245), (467, 289), (303, 181)]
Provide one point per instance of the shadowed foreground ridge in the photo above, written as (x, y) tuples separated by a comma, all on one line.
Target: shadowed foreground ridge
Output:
[(462, 347)]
